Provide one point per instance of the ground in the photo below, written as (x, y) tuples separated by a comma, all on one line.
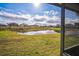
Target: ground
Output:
[(71, 40), (12, 44)]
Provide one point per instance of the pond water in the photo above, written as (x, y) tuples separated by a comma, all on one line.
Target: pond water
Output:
[(38, 32), (72, 33)]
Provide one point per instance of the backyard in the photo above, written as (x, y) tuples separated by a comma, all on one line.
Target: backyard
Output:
[(30, 30), (71, 37), (12, 43)]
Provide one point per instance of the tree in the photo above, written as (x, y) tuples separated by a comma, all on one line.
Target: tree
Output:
[(12, 24), (76, 25)]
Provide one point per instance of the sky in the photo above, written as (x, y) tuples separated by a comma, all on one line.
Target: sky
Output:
[(71, 17), (28, 13)]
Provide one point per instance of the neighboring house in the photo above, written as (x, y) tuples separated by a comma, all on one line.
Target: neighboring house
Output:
[(69, 25), (76, 25)]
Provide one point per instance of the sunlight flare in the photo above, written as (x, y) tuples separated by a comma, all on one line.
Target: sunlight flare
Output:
[(36, 4)]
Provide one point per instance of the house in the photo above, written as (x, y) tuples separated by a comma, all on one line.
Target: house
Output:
[(77, 25), (69, 25)]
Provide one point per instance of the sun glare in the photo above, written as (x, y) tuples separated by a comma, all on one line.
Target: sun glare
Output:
[(36, 4)]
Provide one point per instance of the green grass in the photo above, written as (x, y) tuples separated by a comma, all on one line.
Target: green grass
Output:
[(12, 44), (71, 40), (30, 28), (56, 29)]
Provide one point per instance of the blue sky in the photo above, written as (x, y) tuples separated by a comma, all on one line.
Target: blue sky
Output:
[(71, 17), (70, 14), (29, 8), (19, 12)]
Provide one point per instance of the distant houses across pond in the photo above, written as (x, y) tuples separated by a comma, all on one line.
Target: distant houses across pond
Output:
[(75, 25), (26, 25)]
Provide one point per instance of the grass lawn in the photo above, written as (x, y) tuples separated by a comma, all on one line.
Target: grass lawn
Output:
[(30, 28), (12, 43), (56, 29), (71, 40)]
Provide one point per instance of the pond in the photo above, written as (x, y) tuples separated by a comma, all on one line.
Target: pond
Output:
[(72, 33), (38, 32)]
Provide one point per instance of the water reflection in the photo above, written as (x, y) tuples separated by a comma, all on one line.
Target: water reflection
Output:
[(39, 32)]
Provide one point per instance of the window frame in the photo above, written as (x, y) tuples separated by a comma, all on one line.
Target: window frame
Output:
[(62, 6)]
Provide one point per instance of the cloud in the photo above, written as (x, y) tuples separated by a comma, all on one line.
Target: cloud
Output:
[(71, 21), (53, 12), (54, 19), (19, 18), (39, 18), (46, 12), (15, 16), (50, 21), (4, 9)]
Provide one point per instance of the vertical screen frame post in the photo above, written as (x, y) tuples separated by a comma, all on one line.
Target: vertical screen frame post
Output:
[(62, 28), (62, 6)]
